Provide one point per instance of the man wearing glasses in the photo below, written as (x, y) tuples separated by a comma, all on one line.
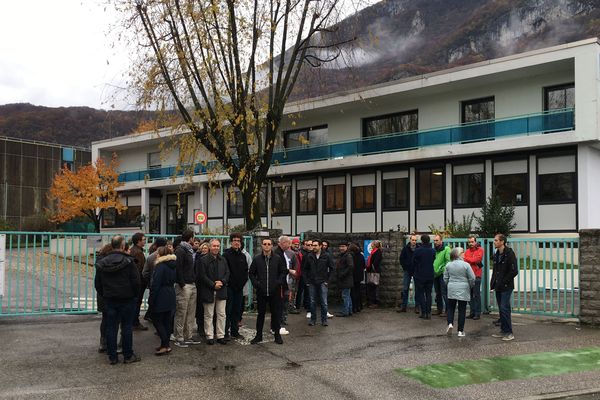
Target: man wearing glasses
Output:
[(238, 275), (267, 273)]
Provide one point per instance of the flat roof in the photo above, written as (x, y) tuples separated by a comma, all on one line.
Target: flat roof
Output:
[(42, 143)]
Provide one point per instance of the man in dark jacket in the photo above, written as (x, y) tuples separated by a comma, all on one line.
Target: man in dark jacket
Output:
[(345, 278), (317, 272), (118, 282), (267, 273), (137, 252), (406, 261), (185, 291), (423, 258), (238, 276), (214, 276), (502, 282), (359, 277), (302, 296)]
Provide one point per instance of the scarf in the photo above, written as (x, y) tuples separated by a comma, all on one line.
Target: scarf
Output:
[(369, 259), (187, 247)]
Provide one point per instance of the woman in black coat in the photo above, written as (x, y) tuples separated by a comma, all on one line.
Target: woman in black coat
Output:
[(163, 297), (358, 277), (374, 267)]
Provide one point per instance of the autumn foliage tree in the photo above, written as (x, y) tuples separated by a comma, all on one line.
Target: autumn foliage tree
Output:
[(87, 192), (228, 68)]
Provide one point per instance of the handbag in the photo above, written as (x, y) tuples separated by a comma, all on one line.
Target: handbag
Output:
[(373, 278)]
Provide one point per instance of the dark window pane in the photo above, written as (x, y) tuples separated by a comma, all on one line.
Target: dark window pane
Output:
[(307, 201), (559, 97), (282, 200), (478, 110), (154, 160), (262, 201), (394, 123), (334, 197), (556, 188), (364, 198), (154, 219), (512, 189), (305, 137), (430, 187), (469, 190), (235, 203), (395, 193)]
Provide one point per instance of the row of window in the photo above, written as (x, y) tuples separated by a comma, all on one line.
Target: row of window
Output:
[(483, 109)]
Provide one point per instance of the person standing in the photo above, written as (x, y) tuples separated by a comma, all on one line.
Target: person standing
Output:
[(138, 241), (474, 256), (302, 296), (502, 282), (345, 278), (148, 271), (214, 276), (283, 250), (358, 277), (373, 273), (267, 274), (117, 281), (423, 275), (297, 275), (185, 291), (238, 276), (162, 296), (459, 279), (406, 261), (442, 257), (317, 272)]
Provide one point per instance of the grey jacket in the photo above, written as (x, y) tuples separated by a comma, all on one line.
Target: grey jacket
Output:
[(459, 278)]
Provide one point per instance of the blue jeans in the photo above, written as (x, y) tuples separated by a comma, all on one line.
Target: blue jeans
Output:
[(476, 298), (423, 295), (503, 300), (321, 291), (347, 307), (441, 293), (123, 313), (405, 287), (233, 310)]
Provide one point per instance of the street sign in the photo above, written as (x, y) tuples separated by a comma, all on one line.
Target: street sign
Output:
[(200, 217)]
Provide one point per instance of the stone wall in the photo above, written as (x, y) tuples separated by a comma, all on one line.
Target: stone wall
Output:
[(589, 276), (390, 288)]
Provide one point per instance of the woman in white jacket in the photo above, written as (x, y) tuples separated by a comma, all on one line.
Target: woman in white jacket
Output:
[(459, 278)]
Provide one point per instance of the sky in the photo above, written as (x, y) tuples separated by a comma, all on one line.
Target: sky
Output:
[(60, 53)]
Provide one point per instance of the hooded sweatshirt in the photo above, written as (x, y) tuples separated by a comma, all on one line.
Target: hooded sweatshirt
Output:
[(117, 277)]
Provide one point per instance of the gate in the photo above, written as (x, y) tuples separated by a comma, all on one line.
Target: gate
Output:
[(45, 273)]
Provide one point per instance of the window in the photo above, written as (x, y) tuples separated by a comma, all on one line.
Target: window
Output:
[(512, 189), (304, 137), (307, 201), (557, 188), (154, 218), (262, 201), (282, 200), (235, 203), (363, 198), (128, 218), (335, 197), (559, 97), (393, 123), (154, 160), (478, 110), (469, 190), (395, 194), (430, 192)]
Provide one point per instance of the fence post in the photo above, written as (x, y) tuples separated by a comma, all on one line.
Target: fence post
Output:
[(589, 276)]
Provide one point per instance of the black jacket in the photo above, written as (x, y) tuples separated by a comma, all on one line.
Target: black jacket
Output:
[(238, 268), (359, 267), (376, 261), (162, 291), (317, 270), (406, 258), (213, 269), (185, 266), (344, 271), (268, 274), (423, 262), (505, 270), (117, 277)]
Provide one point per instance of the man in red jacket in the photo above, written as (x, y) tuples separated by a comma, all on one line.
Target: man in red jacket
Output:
[(474, 256)]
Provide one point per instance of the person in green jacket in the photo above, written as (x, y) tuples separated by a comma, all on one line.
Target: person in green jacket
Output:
[(442, 257)]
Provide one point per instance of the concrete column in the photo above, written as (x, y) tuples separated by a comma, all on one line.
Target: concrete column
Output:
[(589, 276), (378, 201), (146, 208), (412, 216), (533, 209)]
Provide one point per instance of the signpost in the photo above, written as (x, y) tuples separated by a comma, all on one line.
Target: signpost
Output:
[(2, 262), (200, 217)]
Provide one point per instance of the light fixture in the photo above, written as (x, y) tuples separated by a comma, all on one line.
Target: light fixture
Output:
[(438, 173)]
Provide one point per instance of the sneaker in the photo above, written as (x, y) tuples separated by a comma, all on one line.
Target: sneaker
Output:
[(324, 323), (293, 311), (181, 343), (476, 317), (256, 340), (308, 315), (278, 339), (271, 331), (119, 350), (470, 316), (134, 358), (508, 337), (449, 330), (173, 338), (340, 314), (284, 331), (499, 335), (330, 315), (210, 342), (461, 334), (221, 341), (191, 341)]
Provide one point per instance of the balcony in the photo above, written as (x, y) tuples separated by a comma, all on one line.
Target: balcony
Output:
[(532, 124)]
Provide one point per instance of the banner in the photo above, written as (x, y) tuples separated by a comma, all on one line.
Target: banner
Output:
[(2, 262)]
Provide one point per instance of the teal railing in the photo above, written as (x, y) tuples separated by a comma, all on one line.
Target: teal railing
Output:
[(545, 122), (53, 272), (548, 279)]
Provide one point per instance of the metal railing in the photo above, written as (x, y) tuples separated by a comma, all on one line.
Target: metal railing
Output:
[(538, 123), (53, 272)]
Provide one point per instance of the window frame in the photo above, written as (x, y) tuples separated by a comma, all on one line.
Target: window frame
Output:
[(362, 210), (274, 211), (229, 203), (522, 204), (328, 211), (455, 203), (308, 130), (542, 202), (395, 208), (155, 166), (418, 188), (465, 103), (562, 86), (117, 223), (365, 122), (298, 211)]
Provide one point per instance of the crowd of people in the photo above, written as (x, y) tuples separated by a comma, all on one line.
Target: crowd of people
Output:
[(197, 290)]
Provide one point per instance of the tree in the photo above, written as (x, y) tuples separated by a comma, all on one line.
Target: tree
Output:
[(228, 67), (496, 218), (87, 192)]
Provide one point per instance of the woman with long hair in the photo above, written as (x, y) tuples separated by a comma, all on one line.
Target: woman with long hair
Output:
[(163, 297), (373, 273)]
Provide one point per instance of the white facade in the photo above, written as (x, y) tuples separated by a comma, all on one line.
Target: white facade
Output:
[(542, 158)]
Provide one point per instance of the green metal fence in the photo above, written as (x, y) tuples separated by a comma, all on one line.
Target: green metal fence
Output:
[(548, 279), (53, 272)]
